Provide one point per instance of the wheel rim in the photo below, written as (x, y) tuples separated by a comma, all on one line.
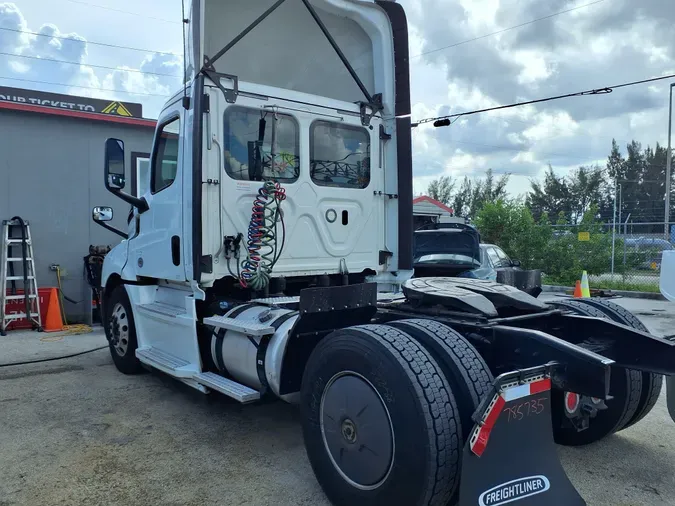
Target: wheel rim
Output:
[(119, 329), (357, 431)]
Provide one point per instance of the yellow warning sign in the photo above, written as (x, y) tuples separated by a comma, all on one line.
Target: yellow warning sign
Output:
[(116, 108), (654, 266), (584, 236)]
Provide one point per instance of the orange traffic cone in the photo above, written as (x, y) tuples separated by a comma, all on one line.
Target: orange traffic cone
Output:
[(578, 294), (53, 321)]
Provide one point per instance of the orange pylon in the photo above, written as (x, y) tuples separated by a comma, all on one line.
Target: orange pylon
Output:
[(53, 321), (578, 294)]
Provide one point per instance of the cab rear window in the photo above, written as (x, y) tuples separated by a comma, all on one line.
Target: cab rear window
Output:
[(252, 154), (339, 155)]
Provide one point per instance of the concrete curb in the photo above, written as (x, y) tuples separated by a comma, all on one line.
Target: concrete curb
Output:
[(622, 293)]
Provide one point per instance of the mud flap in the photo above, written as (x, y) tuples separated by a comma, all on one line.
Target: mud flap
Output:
[(510, 457)]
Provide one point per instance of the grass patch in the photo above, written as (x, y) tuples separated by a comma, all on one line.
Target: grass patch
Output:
[(611, 285)]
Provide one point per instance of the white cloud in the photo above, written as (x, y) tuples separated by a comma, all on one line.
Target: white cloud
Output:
[(62, 58), (591, 47)]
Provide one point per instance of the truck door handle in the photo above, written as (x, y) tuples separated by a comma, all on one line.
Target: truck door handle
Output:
[(175, 250)]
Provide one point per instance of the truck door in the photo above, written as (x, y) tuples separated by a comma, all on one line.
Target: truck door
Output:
[(156, 251), (332, 211)]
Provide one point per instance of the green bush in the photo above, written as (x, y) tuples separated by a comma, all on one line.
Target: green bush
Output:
[(556, 251)]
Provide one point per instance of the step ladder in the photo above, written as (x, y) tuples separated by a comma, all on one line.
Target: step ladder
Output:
[(18, 265)]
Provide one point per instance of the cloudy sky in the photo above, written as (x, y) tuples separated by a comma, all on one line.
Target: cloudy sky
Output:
[(458, 63)]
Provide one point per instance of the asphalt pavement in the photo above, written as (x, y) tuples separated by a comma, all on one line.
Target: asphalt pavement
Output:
[(77, 432)]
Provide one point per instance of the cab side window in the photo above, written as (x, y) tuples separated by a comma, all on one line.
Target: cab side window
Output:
[(339, 155), (165, 156)]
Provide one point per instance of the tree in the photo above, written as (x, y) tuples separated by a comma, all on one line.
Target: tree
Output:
[(550, 196), (474, 194), (585, 187), (441, 189)]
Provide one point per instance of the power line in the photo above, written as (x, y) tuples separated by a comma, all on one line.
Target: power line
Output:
[(103, 44), (441, 121), (506, 29), (85, 64), (122, 11), (83, 87)]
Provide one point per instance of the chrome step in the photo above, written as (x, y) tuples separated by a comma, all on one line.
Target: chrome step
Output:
[(163, 309), (18, 297), (18, 259), (166, 362), (18, 278), (226, 386), (245, 326)]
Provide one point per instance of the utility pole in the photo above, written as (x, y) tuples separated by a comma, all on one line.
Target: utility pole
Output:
[(616, 187), (668, 162)]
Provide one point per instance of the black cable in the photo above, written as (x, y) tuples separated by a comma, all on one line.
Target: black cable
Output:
[(103, 44), (16, 55), (12, 364), (441, 121)]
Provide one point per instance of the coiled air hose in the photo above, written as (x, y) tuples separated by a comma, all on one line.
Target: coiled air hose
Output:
[(263, 250)]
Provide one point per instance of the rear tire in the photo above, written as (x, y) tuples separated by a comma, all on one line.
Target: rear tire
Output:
[(625, 386), (651, 383), (463, 367), (120, 329), (379, 421)]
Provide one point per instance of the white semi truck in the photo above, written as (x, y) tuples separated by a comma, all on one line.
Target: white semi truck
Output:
[(271, 256)]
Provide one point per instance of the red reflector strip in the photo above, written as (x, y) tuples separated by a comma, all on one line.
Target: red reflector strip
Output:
[(481, 440), (481, 435), (540, 386)]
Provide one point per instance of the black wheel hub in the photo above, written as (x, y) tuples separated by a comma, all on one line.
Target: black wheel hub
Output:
[(357, 430)]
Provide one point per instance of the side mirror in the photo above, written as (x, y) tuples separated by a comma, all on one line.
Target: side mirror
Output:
[(114, 164), (515, 263), (102, 213)]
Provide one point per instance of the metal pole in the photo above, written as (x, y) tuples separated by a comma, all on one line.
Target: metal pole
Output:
[(620, 206), (625, 235), (614, 226), (668, 162)]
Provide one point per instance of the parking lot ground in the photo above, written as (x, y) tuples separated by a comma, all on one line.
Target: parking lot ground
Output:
[(78, 432)]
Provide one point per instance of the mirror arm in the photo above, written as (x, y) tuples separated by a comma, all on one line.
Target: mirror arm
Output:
[(112, 229), (140, 204)]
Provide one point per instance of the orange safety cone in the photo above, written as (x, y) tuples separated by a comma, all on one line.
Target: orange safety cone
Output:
[(53, 321), (578, 294)]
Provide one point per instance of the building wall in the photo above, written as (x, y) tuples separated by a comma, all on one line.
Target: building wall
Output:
[(51, 173)]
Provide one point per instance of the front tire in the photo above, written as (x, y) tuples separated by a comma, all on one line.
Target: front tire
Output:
[(380, 423), (121, 332)]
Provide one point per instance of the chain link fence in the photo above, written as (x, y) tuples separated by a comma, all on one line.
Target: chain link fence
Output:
[(624, 257)]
